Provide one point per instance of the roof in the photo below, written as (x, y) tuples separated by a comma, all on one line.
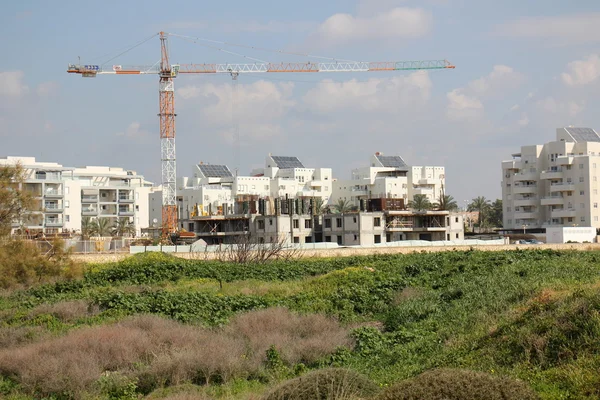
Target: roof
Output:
[(215, 171), (287, 162), (583, 134), (392, 161)]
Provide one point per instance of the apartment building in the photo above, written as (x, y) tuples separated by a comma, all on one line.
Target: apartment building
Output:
[(351, 229), (213, 189), (389, 177), (554, 184), (63, 196)]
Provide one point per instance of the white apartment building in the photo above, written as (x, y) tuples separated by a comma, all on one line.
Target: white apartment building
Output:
[(64, 196), (214, 190), (554, 184), (389, 177)]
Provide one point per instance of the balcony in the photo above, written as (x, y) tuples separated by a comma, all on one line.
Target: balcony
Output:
[(53, 193), (429, 181), (89, 198), (511, 164), (53, 222), (552, 200), (525, 189), (551, 174), (126, 213), (126, 199), (562, 187), (563, 213), (53, 208), (526, 215), (526, 176), (530, 201), (89, 211)]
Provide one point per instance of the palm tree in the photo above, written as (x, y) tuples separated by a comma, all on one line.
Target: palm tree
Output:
[(420, 202), (88, 227), (481, 205), (343, 206), (123, 227), (318, 205), (103, 227), (446, 203)]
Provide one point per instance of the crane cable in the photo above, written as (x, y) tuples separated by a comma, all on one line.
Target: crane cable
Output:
[(127, 49), (197, 39), (220, 49)]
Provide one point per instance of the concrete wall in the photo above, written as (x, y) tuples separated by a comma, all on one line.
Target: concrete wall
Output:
[(573, 234)]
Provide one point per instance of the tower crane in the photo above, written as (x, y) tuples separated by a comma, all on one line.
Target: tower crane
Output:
[(167, 72)]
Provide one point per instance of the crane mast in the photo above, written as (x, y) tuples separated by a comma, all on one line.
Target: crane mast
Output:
[(167, 139), (167, 72)]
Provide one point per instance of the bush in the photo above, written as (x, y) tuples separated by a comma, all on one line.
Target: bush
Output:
[(456, 384), (66, 310), (23, 264), (325, 384)]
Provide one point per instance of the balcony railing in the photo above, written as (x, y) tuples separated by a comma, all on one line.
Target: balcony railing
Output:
[(53, 193), (90, 198), (53, 222)]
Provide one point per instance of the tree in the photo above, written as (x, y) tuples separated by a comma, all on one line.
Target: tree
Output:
[(343, 206), (481, 205), (123, 227), (88, 227), (103, 227), (446, 203), (318, 205), (14, 201), (420, 202), (495, 213)]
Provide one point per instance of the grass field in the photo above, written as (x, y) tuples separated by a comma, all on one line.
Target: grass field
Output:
[(163, 327)]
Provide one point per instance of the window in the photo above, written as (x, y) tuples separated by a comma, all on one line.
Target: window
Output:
[(261, 224), (581, 179), (190, 227), (296, 224), (307, 223), (266, 187), (595, 205), (457, 235), (509, 221), (308, 239), (355, 237), (296, 239), (327, 239), (377, 238), (582, 219), (67, 203), (354, 219), (67, 218), (456, 219), (568, 167), (270, 221), (327, 224), (338, 222), (447, 236), (339, 240), (376, 221), (581, 192), (137, 208), (580, 166), (596, 218), (570, 219)]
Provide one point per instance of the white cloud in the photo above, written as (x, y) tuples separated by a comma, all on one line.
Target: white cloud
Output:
[(582, 72), (400, 22), (559, 30), (11, 84), (463, 107), (134, 131), (259, 107), (501, 78), (553, 106), (47, 88), (386, 95)]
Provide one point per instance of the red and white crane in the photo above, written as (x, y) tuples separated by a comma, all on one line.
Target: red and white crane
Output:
[(167, 72)]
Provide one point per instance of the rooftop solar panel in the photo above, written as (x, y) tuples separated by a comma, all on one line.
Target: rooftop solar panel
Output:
[(215, 171), (392, 161), (583, 134), (287, 162)]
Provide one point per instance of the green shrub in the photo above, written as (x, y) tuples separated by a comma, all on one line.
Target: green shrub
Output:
[(325, 384), (456, 384)]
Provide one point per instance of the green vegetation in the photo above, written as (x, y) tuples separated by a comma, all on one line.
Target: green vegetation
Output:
[(159, 326)]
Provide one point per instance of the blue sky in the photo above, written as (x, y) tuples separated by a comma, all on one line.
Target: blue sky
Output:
[(522, 70)]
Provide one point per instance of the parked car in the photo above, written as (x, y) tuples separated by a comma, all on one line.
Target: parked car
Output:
[(533, 241)]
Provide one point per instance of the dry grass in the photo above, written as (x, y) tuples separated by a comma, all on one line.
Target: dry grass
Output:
[(67, 311), (17, 336), (298, 338), (161, 352)]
